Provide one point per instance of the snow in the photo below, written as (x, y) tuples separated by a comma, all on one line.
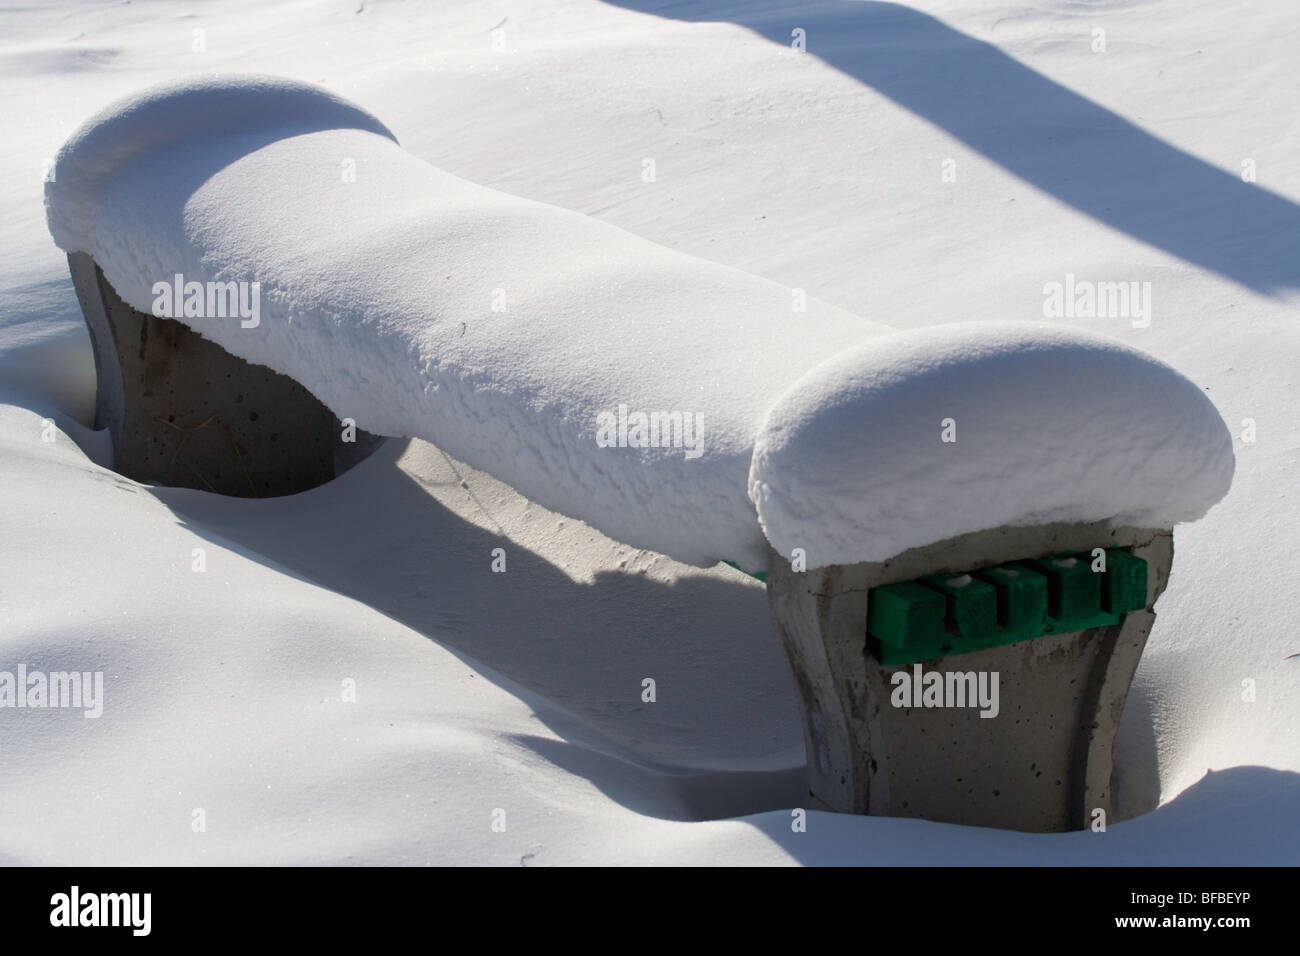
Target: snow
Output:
[(194, 109), (392, 320), (922, 436), (522, 691)]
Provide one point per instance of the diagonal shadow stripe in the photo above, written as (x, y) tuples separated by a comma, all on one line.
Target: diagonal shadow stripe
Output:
[(1049, 136)]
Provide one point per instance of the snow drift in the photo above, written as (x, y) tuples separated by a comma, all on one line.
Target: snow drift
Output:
[(535, 343)]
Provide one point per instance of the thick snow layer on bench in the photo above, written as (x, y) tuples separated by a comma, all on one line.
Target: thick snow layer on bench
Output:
[(921, 436), (378, 293), (524, 339)]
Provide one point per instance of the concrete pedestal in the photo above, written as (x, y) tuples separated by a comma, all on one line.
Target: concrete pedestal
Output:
[(184, 412), (1043, 763)]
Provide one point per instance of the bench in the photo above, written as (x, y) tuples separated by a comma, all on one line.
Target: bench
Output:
[(992, 503)]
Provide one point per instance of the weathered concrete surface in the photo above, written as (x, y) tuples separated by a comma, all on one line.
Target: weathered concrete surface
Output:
[(184, 412), (1044, 763)]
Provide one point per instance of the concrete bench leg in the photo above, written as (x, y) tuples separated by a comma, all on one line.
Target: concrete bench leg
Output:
[(1043, 763), (184, 412)]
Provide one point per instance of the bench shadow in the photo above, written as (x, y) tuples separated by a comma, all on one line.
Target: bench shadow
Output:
[(1056, 140), (669, 794), (722, 738), (725, 703)]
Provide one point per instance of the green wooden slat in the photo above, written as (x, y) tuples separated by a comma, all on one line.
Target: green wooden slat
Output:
[(942, 614)]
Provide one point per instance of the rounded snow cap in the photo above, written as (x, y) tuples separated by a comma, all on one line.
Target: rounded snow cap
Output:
[(187, 110), (924, 435)]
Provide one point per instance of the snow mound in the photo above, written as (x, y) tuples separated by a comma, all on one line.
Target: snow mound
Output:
[(203, 106), (601, 375), (922, 436)]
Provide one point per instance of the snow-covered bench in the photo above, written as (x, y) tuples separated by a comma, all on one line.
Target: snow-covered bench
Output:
[(882, 482)]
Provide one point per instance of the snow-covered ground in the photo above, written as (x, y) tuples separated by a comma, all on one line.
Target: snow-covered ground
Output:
[(346, 679)]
